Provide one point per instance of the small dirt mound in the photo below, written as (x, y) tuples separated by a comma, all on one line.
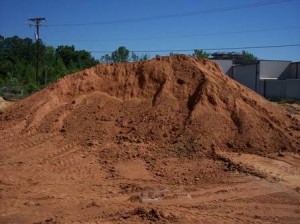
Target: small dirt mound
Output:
[(184, 106), (3, 104)]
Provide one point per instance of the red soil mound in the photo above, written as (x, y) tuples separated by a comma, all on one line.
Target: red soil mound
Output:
[(184, 106), (142, 143)]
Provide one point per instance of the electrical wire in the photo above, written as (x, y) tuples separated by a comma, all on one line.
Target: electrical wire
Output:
[(179, 36), (176, 15), (205, 49)]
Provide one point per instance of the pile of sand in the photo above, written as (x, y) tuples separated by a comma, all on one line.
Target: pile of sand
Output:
[(3, 103), (183, 106)]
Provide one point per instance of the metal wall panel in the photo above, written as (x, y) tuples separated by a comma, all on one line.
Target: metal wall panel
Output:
[(273, 69), (247, 75), (293, 88), (295, 70), (275, 89), (281, 89), (226, 66)]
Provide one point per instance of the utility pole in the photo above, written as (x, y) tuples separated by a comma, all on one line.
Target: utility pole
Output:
[(37, 23)]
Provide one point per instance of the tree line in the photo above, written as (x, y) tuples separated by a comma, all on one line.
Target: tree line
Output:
[(18, 63)]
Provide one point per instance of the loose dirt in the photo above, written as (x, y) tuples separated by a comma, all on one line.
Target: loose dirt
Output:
[(170, 140), (4, 104)]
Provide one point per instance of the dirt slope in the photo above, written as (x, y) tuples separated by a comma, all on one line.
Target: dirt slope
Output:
[(157, 141), (164, 100)]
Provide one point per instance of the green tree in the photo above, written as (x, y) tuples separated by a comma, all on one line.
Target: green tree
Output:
[(29, 74), (31, 88), (172, 54), (134, 57), (200, 54), (120, 55), (6, 67), (66, 53), (18, 62), (248, 56), (84, 59), (73, 59), (144, 57), (60, 69), (106, 58), (49, 56)]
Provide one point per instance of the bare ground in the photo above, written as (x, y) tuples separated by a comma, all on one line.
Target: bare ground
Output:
[(69, 185)]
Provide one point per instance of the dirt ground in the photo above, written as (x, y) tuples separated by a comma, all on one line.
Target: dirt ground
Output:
[(68, 184), (171, 140)]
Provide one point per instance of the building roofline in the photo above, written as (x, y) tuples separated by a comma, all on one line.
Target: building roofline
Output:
[(274, 60)]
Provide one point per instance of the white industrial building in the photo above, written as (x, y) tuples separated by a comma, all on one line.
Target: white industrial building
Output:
[(272, 79)]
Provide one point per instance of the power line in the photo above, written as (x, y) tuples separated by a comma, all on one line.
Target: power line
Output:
[(183, 36), (37, 23), (176, 15), (206, 49)]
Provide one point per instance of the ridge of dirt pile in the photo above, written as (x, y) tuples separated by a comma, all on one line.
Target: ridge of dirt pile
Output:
[(183, 105)]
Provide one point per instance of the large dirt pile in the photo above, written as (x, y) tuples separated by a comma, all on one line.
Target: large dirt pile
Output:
[(180, 105), (148, 142)]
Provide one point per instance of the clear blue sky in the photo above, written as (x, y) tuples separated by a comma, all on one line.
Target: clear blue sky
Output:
[(167, 24)]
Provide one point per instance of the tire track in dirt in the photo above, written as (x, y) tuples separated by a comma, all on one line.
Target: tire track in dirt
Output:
[(284, 169)]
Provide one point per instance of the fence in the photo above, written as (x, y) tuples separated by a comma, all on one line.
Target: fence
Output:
[(279, 89)]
